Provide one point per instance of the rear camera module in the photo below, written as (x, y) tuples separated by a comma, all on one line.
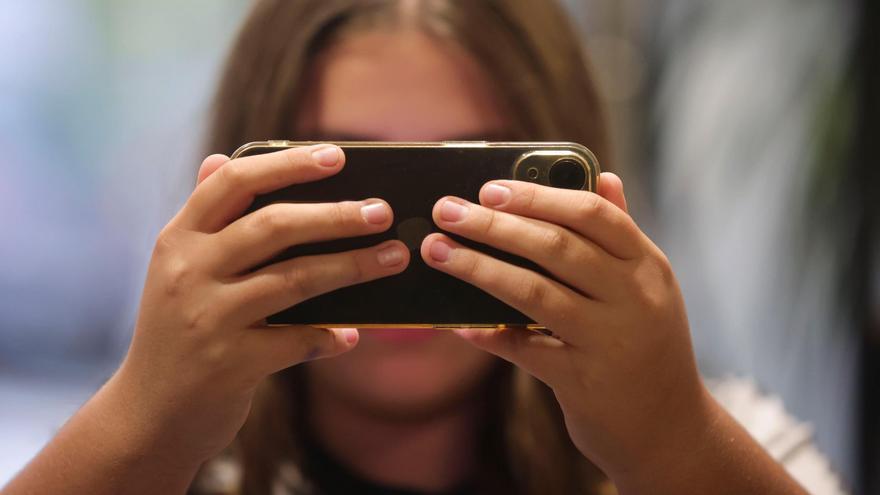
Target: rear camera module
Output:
[(568, 174)]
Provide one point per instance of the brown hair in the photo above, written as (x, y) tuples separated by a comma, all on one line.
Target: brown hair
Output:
[(537, 66)]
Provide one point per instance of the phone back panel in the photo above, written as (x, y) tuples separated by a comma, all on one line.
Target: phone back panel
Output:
[(411, 177)]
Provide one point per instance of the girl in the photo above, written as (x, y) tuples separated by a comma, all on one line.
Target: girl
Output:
[(210, 400)]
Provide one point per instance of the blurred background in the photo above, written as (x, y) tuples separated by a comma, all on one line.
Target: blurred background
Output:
[(743, 130)]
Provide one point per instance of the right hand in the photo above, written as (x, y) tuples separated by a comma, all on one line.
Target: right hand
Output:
[(200, 346)]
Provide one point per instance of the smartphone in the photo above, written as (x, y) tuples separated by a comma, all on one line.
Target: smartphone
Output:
[(411, 177)]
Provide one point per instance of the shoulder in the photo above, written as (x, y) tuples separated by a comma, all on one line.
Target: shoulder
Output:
[(787, 439)]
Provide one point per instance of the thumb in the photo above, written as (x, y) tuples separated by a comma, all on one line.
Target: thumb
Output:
[(277, 348), (538, 354), (611, 188)]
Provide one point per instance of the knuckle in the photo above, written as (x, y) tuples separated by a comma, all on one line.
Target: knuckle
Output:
[(216, 354), (555, 241), (528, 197), (586, 256), (295, 281), (178, 276), (271, 219), (197, 317), (491, 221), (652, 283), (531, 292), (664, 269), (165, 242), (354, 271), (232, 173), (652, 298), (590, 205), (473, 268), (339, 216), (296, 157)]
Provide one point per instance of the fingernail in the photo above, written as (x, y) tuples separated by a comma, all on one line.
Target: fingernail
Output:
[(451, 211), (350, 334), (375, 213), (390, 256), (496, 194), (326, 156), (439, 251)]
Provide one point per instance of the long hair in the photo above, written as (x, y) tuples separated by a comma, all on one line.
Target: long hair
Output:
[(539, 73)]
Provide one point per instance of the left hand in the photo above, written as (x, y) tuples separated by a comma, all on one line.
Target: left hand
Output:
[(621, 364)]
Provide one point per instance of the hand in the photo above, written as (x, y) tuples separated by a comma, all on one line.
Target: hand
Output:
[(620, 361), (201, 345)]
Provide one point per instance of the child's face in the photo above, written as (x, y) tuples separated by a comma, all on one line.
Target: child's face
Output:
[(400, 86)]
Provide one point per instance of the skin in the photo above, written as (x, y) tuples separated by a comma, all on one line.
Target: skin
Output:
[(620, 361)]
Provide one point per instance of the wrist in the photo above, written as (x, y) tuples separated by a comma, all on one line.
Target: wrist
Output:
[(676, 448), (709, 451), (139, 434)]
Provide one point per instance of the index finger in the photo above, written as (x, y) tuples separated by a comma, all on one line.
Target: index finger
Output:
[(586, 213), (225, 194)]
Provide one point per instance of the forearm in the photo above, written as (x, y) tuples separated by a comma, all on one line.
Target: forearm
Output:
[(714, 454), (102, 449)]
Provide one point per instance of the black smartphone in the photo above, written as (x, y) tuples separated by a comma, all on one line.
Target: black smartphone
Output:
[(411, 177)]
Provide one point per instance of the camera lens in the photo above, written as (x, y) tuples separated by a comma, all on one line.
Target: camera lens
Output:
[(568, 174)]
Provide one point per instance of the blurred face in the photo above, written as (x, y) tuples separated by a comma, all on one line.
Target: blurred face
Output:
[(400, 86)]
